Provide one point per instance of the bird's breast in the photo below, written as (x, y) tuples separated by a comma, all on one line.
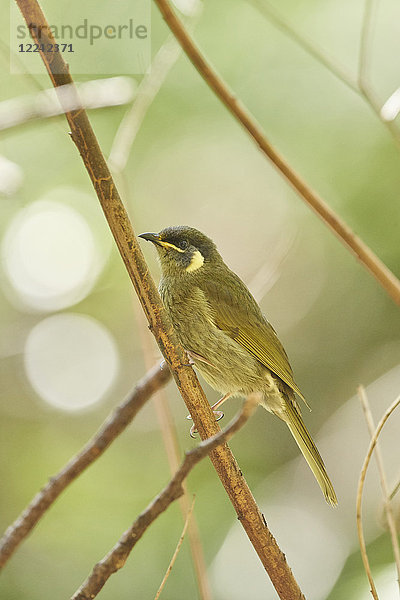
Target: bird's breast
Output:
[(190, 314), (227, 366)]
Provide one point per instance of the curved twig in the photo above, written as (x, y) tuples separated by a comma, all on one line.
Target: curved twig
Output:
[(350, 240), (360, 490), (390, 519), (109, 431)]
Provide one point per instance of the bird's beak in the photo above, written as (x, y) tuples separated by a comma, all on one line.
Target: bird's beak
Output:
[(151, 237)]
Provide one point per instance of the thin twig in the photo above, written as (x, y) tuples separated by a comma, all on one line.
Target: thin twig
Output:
[(382, 475), (352, 242), (170, 440), (360, 490), (178, 547), (115, 423), (116, 558), (253, 522)]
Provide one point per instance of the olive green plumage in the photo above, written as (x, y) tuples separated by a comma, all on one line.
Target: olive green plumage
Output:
[(224, 331)]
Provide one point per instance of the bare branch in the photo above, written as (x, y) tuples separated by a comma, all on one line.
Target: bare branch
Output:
[(252, 520), (115, 424), (385, 489), (178, 547), (360, 490), (116, 558), (352, 242)]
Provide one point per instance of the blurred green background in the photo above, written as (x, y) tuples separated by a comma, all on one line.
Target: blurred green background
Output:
[(71, 345)]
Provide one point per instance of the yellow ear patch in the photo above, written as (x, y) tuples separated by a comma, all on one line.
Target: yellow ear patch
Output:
[(196, 262)]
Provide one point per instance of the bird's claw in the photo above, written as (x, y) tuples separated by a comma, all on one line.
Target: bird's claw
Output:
[(218, 414), (193, 431)]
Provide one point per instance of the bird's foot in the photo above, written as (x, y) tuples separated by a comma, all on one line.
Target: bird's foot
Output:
[(218, 414), (193, 431), (190, 362)]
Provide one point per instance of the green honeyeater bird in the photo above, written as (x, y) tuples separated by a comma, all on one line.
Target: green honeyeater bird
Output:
[(226, 336)]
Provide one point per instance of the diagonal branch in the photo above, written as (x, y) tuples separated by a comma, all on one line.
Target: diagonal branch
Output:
[(110, 430), (116, 558), (235, 485), (349, 239)]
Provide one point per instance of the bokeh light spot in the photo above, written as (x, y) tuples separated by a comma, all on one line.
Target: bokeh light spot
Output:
[(50, 256), (71, 360)]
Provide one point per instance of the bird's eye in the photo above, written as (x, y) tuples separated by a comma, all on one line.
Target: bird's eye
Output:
[(183, 244)]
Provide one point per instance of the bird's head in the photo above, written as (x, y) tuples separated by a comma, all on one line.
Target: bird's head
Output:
[(183, 250)]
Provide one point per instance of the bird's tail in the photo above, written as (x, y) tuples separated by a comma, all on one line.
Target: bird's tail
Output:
[(310, 452)]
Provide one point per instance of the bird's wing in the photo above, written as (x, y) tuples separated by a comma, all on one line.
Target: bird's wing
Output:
[(238, 315)]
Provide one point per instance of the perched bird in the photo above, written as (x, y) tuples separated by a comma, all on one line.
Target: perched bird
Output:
[(225, 334)]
